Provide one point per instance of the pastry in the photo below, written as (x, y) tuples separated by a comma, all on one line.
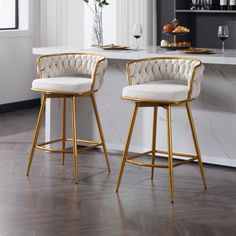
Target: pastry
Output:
[(181, 29), (179, 44), (168, 28), (164, 43)]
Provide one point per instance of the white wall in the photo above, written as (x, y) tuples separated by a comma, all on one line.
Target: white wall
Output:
[(136, 12), (62, 23), (17, 65), (75, 23)]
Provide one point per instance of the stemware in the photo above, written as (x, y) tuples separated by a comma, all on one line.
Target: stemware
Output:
[(223, 34), (137, 33)]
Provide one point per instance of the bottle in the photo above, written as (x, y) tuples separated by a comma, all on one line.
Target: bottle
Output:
[(223, 5), (232, 5)]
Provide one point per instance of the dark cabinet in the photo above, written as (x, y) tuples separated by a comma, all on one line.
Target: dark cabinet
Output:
[(203, 23)]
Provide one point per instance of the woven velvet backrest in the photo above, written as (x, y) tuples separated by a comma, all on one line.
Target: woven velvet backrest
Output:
[(76, 65), (153, 69)]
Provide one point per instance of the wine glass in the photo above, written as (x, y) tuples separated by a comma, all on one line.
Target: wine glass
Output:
[(223, 34), (137, 33)]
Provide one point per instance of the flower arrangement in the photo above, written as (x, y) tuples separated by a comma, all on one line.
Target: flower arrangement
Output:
[(98, 4), (96, 7)]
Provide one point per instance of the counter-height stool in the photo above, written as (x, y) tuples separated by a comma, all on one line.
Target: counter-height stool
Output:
[(69, 75), (163, 82)]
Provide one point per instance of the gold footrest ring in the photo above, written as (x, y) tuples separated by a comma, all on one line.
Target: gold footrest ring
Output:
[(146, 165), (92, 145), (67, 151), (182, 162)]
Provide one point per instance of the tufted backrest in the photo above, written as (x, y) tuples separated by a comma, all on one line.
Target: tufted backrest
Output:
[(73, 64), (153, 69)]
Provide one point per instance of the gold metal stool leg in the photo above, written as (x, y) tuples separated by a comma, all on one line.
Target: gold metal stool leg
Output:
[(74, 137), (193, 130), (170, 160), (154, 134), (100, 132), (127, 146), (63, 129), (36, 133)]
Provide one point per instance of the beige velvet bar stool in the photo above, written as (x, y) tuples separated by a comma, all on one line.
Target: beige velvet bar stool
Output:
[(163, 82), (69, 75)]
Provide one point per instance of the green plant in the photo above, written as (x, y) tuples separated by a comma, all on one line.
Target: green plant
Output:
[(97, 4)]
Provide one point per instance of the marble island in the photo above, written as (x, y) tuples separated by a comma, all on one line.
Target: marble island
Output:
[(214, 111), (216, 57)]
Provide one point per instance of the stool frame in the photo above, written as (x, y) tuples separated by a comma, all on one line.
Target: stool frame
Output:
[(167, 105), (64, 138)]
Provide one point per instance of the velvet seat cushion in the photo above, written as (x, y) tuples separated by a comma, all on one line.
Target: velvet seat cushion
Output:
[(63, 84), (164, 90)]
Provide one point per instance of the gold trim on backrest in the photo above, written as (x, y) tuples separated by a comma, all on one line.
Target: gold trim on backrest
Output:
[(93, 74), (166, 58)]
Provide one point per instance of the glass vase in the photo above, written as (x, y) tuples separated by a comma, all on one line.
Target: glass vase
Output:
[(97, 33)]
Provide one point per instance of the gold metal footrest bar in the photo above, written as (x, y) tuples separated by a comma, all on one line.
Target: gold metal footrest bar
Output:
[(89, 147), (68, 139), (50, 142), (130, 159), (83, 141), (68, 151), (139, 155), (146, 165), (185, 162), (40, 146), (53, 150), (93, 144), (176, 154)]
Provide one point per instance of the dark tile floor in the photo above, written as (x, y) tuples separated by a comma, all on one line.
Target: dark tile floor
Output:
[(48, 202)]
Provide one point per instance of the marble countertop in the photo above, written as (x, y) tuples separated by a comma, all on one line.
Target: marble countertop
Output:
[(229, 58)]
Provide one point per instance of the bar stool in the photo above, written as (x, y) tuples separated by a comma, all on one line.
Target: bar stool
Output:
[(69, 75), (163, 82)]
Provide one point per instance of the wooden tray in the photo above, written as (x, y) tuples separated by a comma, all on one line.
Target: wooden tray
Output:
[(114, 47), (197, 51)]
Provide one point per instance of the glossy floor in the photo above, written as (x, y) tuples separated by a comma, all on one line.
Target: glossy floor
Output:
[(48, 202)]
